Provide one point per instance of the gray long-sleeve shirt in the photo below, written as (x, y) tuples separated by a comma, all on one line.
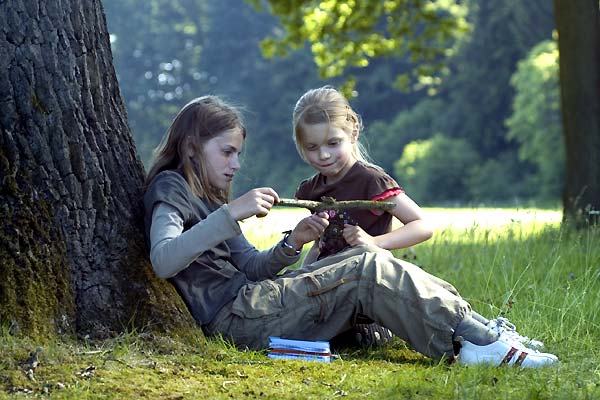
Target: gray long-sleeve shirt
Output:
[(200, 248), (172, 249)]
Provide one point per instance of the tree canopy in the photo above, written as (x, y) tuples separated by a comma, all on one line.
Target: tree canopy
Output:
[(346, 34)]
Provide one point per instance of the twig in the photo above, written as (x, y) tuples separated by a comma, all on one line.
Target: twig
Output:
[(228, 383), (332, 204), (91, 352)]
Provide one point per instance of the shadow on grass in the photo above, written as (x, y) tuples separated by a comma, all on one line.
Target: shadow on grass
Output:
[(397, 352)]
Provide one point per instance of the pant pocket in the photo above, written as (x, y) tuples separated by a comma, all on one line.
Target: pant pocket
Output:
[(257, 300)]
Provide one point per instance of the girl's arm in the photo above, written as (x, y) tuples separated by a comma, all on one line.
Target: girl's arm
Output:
[(259, 264), (414, 230), (172, 250), (265, 264), (415, 227)]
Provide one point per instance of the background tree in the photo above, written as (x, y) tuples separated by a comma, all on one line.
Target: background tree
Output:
[(424, 166), (73, 254), (157, 46), (578, 26), (477, 94), (477, 91), (474, 100), (387, 139), (535, 120)]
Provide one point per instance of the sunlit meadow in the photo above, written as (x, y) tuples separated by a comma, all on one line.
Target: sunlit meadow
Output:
[(518, 263)]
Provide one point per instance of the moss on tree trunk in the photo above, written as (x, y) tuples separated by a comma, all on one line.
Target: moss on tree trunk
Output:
[(74, 259)]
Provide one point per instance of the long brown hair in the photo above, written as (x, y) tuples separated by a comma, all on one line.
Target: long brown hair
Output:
[(198, 121)]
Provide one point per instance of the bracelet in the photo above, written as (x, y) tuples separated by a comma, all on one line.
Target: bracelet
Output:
[(288, 249)]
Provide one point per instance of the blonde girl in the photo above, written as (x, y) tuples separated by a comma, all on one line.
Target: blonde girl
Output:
[(326, 134)]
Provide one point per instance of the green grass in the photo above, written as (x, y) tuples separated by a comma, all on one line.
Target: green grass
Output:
[(546, 279)]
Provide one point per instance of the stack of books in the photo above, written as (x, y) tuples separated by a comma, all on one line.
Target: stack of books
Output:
[(289, 349)]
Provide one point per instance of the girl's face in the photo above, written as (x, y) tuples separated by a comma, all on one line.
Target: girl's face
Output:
[(329, 150), (221, 157)]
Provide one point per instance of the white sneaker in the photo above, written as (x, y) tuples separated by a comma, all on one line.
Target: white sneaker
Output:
[(506, 330), (503, 352)]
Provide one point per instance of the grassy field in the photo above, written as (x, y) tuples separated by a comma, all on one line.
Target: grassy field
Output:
[(516, 263)]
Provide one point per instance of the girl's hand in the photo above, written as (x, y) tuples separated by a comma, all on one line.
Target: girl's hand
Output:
[(308, 229), (355, 236), (256, 202)]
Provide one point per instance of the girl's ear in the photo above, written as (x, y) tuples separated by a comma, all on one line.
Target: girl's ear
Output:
[(355, 132), (189, 147)]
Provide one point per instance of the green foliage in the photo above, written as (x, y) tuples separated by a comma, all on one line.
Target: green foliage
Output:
[(386, 140), (474, 101), (345, 34), (536, 122), (500, 180), (542, 277), (436, 169), (477, 92)]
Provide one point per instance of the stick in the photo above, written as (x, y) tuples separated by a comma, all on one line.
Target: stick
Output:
[(329, 203)]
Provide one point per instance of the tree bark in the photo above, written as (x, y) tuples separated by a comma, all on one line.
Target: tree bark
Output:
[(578, 24), (72, 252)]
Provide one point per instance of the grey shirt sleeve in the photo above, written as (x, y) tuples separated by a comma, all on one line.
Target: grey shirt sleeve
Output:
[(172, 250), (259, 264)]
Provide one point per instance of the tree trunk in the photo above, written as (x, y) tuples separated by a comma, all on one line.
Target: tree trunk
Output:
[(72, 252), (578, 24)]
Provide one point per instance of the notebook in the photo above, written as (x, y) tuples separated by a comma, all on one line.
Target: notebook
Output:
[(290, 349)]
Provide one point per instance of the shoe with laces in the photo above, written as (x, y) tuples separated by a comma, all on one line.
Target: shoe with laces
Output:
[(363, 335), (372, 335), (506, 330), (503, 352)]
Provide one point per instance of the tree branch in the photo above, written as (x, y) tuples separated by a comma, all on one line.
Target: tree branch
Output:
[(330, 203)]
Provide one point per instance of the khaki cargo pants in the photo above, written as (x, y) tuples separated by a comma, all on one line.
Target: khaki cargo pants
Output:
[(416, 306)]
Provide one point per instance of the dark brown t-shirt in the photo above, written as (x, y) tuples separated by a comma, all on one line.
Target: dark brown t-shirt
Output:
[(361, 182)]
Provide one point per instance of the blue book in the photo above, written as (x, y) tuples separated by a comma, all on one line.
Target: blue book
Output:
[(290, 349)]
